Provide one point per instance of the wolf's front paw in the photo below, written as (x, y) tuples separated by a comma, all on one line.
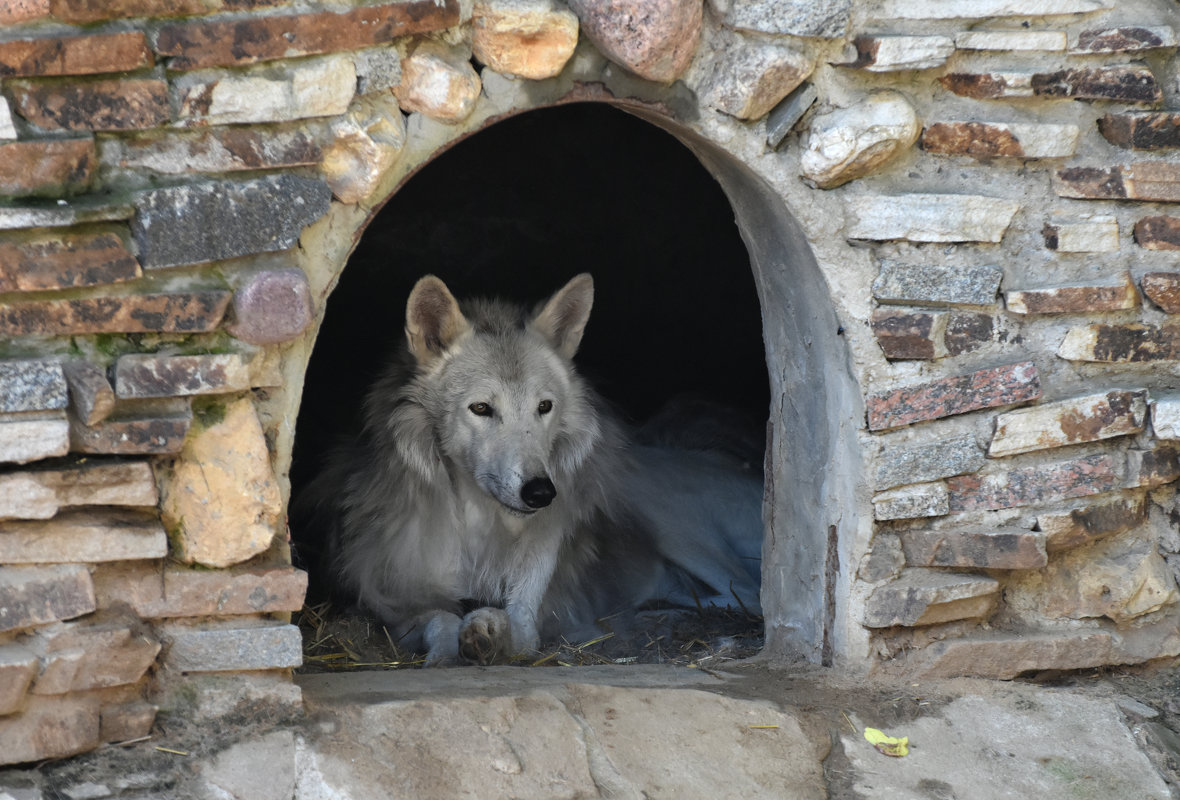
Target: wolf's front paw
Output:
[(485, 636)]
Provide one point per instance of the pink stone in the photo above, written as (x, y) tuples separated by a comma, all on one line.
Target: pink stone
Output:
[(1043, 483), (985, 388), (271, 307), (655, 39)]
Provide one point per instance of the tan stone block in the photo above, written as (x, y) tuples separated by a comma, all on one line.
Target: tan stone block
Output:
[(50, 727), (24, 439), (984, 549), (1081, 419), (439, 82), (222, 502), (83, 537), (1099, 234), (174, 592), (930, 217), (1117, 579), (985, 140), (92, 398), (41, 494), (929, 597), (746, 77), (1066, 529), (367, 142), (214, 150), (18, 666), (851, 142), (124, 722), (527, 38), (112, 653), (36, 595)]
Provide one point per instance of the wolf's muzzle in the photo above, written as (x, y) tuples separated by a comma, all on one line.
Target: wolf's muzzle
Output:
[(538, 492)]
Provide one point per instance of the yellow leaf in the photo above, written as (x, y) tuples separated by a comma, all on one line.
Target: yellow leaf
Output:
[(889, 745)]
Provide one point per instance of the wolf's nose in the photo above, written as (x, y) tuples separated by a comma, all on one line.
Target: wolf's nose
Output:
[(538, 492)]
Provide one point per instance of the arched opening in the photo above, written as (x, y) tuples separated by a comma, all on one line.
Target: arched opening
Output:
[(680, 291)]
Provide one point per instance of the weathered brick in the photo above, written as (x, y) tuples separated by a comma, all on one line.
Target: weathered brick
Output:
[(14, 11), (909, 334), (1143, 130), (50, 727), (893, 52), (928, 462), (231, 649), (912, 502), (216, 43), (74, 55), (1000, 139), (1045, 483), (937, 284), (1125, 39), (178, 592), (18, 666), (271, 307), (1004, 656), (106, 105), (112, 653), (1156, 466), (92, 398), (1074, 299), (317, 87), (175, 312), (149, 375), (985, 388), (1158, 233), (1116, 344), (929, 597), (66, 211), (24, 440), (1080, 419), (46, 167), (88, 11), (984, 549), (40, 494), (930, 217), (1066, 529), (83, 537), (36, 595), (214, 150), (32, 384), (181, 225), (126, 721), (1050, 41), (1099, 234), (968, 332), (146, 435), (66, 260), (1141, 180), (1124, 83)]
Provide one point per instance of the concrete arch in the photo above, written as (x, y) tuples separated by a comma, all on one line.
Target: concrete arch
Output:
[(810, 512)]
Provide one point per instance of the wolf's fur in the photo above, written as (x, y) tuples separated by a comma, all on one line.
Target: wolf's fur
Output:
[(489, 472)]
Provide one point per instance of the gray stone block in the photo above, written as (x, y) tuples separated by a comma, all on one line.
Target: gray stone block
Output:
[(928, 462), (37, 384), (181, 225), (232, 649), (937, 284)]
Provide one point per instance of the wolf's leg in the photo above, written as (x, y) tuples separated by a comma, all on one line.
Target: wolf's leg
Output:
[(528, 590), (486, 636), (441, 637)]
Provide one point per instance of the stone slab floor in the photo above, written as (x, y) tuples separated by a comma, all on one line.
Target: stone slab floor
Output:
[(747, 732)]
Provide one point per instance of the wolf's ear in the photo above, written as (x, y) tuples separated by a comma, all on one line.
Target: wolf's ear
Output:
[(564, 316), (433, 319)]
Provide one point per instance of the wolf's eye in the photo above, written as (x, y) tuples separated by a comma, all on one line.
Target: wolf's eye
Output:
[(545, 406), (480, 409)]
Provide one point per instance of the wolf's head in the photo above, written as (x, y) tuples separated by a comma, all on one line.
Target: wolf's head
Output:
[(505, 406)]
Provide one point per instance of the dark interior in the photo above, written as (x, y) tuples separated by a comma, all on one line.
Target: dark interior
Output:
[(517, 210)]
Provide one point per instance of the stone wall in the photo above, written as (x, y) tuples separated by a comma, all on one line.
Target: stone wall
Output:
[(984, 187)]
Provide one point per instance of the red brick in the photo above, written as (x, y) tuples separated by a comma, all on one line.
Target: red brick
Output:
[(1163, 289), (16, 11), (1141, 180), (40, 262), (178, 312), (1158, 233), (74, 55), (977, 139), (1145, 130), (195, 45), (1044, 483), (46, 167), (985, 388), (86, 11), (106, 105), (967, 332), (909, 335)]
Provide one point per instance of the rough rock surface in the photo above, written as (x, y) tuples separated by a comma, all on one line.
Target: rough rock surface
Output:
[(655, 39), (851, 142)]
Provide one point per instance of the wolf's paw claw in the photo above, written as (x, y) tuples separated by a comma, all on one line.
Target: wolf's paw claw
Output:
[(485, 636)]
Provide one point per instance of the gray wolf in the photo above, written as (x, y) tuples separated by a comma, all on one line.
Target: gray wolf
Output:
[(493, 498)]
